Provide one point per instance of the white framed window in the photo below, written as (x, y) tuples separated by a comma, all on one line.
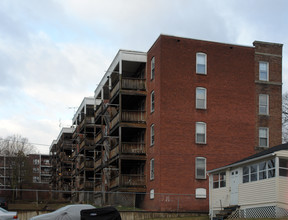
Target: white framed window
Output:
[(152, 99), (263, 137), (263, 104), (263, 71), (152, 169), (259, 171), (200, 133), (152, 194), (201, 63), (152, 68), (200, 98), (219, 180), (152, 134), (200, 166), (36, 161)]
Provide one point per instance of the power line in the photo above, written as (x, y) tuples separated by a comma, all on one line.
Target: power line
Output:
[(23, 142)]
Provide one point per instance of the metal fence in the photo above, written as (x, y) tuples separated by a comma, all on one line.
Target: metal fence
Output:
[(125, 200)]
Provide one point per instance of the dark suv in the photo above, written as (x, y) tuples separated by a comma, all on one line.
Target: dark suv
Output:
[(3, 203)]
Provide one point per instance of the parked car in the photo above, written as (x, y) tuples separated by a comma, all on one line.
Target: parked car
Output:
[(69, 212), (105, 213), (6, 215), (3, 203)]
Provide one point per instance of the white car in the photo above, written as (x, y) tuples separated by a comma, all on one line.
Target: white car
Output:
[(6, 215), (69, 212)]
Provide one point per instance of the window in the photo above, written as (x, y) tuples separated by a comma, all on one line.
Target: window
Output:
[(263, 104), (200, 98), (152, 169), (263, 137), (219, 180), (201, 63), (152, 68), (283, 167), (36, 179), (35, 170), (245, 174), (271, 168), (36, 161), (263, 71), (262, 170), (200, 133), (259, 171), (200, 168), (152, 101), (152, 194), (152, 135), (253, 172)]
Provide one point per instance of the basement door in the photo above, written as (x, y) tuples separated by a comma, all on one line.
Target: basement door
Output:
[(234, 183)]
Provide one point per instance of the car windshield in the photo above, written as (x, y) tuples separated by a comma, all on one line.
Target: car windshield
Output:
[(3, 210)]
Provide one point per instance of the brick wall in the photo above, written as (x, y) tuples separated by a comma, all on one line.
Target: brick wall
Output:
[(230, 114)]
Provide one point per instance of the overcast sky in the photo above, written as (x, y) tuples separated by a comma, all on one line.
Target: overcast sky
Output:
[(53, 53)]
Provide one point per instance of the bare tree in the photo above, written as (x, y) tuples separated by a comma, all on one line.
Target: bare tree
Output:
[(15, 150), (285, 117)]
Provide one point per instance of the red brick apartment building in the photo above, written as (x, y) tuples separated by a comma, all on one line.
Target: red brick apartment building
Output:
[(165, 117), (37, 176)]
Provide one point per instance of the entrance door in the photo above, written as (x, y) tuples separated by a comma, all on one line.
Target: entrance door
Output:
[(234, 182)]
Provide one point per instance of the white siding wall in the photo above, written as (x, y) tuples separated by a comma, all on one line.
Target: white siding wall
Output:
[(258, 192), (283, 192), (220, 194), (283, 153)]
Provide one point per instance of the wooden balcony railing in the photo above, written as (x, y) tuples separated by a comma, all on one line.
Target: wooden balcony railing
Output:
[(133, 148), (115, 89), (133, 84), (86, 185), (129, 116), (97, 163), (98, 137), (86, 142), (99, 110), (115, 120), (114, 152), (132, 180), (98, 187), (128, 180), (130, 84), (133, 116)]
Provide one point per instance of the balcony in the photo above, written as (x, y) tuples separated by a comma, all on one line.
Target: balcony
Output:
[(86, 142), (97, 163), (87, 121), (133, 148), (86, 185), (99, 110), (128, 180), (132, 116), (87, 164), (98, 187), (129, 84), (114, 152), (128, 148), (98, 137), (132, 180)]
